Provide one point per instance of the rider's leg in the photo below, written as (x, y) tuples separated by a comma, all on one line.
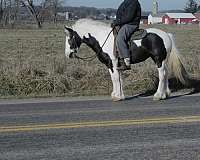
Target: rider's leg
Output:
[(122, 38)]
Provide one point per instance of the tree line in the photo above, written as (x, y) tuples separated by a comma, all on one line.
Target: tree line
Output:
[(47, 10), (192, 6), (10, 10)]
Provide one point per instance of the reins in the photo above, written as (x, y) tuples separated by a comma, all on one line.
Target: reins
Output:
[(91, 58)]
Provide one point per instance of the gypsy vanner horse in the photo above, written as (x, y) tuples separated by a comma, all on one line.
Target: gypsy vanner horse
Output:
[(157, 44)]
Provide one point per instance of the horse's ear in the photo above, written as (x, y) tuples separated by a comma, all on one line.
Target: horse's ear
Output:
[(69, 29), (84, 39), (89, 35)]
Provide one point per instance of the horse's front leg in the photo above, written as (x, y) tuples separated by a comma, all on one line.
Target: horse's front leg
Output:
[(117, 94)]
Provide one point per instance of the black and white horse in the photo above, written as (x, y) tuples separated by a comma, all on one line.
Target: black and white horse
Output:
[(157, 44)]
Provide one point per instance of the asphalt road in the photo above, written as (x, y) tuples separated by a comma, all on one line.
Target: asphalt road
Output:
[(135, 129)]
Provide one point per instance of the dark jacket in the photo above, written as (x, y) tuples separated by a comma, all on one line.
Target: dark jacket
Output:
[(129, 12)]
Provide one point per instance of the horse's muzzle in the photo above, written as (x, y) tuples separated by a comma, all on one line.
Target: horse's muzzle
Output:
[(72, 55)]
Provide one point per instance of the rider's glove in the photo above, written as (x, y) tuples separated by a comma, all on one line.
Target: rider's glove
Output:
[(113, 24)]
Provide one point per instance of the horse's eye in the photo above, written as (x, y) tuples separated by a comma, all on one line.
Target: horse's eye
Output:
[(69, 41)]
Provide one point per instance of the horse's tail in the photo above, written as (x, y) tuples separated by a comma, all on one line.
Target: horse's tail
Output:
[(175, 64)]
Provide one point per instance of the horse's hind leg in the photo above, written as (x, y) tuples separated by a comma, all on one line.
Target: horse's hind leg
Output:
[(158, 53), (163, 90)]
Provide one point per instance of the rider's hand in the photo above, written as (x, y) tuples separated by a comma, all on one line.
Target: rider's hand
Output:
[(113, 24)]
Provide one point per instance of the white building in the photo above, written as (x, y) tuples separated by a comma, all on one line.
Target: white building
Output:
[(65, 15), (155, 19)]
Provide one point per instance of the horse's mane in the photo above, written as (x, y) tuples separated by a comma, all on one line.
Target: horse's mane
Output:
[(99, 30), (84, 26)]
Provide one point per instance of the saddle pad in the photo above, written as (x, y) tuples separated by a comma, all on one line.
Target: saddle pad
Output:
[(139, 34)]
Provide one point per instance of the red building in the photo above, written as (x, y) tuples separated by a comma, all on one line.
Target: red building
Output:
[(178, 18), (197, 15)]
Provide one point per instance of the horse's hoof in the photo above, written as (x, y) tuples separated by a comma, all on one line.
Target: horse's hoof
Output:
[(168, 93), (116, 99), (157, 98)]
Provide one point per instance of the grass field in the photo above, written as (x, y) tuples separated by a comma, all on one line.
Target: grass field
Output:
[(33, 64)]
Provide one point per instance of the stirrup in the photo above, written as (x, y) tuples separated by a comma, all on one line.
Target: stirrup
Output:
[(124, 67)]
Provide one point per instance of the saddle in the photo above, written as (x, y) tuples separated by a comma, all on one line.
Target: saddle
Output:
[(138, 34)]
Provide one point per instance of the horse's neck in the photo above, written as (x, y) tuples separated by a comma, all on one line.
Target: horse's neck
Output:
[(97, 49), (99, 30)]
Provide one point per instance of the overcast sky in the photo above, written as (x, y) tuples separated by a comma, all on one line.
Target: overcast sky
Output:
[(146, 4)]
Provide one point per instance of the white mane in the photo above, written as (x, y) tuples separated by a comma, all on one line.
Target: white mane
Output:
[(97, 29)]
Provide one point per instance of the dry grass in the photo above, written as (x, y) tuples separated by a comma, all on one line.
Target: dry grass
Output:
[(32, 64)]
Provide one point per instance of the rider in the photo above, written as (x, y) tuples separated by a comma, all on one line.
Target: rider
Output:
[(127, 19)]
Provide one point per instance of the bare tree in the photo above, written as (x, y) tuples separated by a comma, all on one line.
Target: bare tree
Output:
[(1, 10), (55, 5), (191, 6), (31, 8), (8, 12), (4, 10), (51, 7)]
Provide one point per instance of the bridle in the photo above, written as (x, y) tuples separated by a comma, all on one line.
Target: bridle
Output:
[(76, 50)]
